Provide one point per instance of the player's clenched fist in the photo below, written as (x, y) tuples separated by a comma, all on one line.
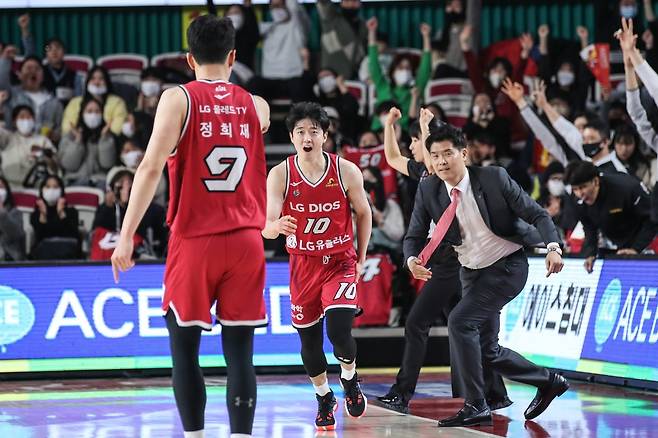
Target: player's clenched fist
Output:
[(286, 225)]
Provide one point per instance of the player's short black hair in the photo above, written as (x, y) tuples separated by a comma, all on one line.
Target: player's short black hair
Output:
[(598, 125), (210, 39), (579, 172), (414, 128), (307, 110), (447, 132)]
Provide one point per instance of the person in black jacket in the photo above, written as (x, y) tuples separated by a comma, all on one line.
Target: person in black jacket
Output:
[(617, 205), (55, 224), (247, 34), (59, 79)]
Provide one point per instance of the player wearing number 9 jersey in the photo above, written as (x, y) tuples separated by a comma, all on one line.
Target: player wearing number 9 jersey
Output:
[(316, 193), (210, 132)]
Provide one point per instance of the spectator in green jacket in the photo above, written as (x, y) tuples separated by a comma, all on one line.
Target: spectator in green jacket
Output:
[(397, 85)]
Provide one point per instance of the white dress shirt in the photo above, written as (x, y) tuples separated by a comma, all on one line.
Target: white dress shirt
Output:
[(480, 246)]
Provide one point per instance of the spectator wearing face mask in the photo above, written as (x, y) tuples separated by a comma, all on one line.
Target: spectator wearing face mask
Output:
[(593, 144), (554, 198), (334, 93), (98, 87), (22, 148), (627, 151), (284, 45), (247, 34), (58, 79), (12, 235), (138, 126), (561, 67), (483, 119), (46, 108), (150, 90), (88, 152), (343, 37), (55, 224), (131, 155), (400, 81), (490, 79)]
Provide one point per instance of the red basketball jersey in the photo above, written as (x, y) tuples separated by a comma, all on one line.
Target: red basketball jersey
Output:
[(322, 210), (217, 173), (374, 157)]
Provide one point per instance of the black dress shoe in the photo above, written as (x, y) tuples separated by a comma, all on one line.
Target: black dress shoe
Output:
[(394, 402), (545, 396), (494, 405), (469, 415)]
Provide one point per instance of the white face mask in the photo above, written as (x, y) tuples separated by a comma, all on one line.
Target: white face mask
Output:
[(327, 84), (127, 129), (131, 158), (495, 79), (97, 90), (25, 126), (555, 187), (51, 195), (3, 195), (279, 15), (565, 78), (237, 20), (92, 120), (402, 77), (151, 88)]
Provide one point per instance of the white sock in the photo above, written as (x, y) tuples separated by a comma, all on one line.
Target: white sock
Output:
[(323, 389), (195, 434), (240, 435), (347, 374)]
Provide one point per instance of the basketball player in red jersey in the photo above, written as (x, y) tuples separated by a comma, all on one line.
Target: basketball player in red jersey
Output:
[(210, 132), (316, 193)]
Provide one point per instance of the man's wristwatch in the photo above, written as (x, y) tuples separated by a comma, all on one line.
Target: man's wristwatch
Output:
[(554, 246)]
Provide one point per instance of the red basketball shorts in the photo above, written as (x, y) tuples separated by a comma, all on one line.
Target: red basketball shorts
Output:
[(320, 283), (227, 269)]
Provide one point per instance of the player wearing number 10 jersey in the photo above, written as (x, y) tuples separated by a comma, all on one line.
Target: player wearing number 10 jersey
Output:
[(316, 193), (210, 131)]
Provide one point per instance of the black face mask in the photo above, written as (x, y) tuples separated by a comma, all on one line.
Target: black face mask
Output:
[(591, 149)]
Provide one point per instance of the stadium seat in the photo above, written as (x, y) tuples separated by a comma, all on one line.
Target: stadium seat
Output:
[(174, 60), (86, 200), (79, 63), (455, 97), (124, 67)]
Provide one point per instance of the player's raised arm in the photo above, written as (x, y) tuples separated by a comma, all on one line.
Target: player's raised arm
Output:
[(391, 148), (353, 179), (276, 188), (167, 128)]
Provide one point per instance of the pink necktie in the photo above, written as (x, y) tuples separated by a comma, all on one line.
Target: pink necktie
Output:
[(441, 227)]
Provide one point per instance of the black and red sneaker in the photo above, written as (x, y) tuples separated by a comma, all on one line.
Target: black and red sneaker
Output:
[(327, 405), (355, 400)]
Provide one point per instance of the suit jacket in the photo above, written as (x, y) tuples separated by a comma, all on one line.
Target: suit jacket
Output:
[(506, 209)]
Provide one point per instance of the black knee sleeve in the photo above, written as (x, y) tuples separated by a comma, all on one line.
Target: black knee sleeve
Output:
[(339, 331), (315, 363), (238, 347), (187, 377)]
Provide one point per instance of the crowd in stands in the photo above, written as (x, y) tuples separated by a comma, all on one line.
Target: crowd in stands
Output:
[(530, 104)]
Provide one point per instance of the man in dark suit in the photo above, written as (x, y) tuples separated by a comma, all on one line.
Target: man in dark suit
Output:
[(486, 219)]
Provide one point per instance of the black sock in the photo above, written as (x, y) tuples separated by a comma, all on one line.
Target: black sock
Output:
[(238, 347), (187, 377)]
